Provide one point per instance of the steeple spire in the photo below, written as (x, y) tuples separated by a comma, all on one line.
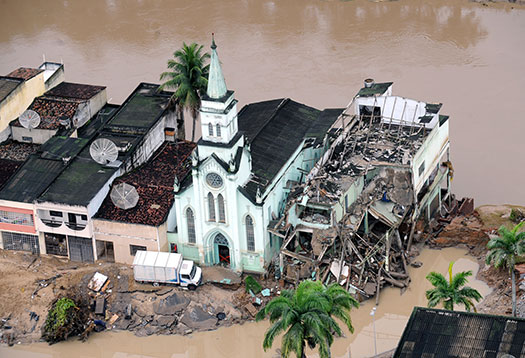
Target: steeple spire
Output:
[(216, 84)]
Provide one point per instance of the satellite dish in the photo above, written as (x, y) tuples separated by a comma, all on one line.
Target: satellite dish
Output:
[(29, 119), (103, 151), (124, 196)]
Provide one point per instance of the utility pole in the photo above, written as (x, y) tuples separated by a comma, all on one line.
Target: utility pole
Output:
[(373, 314)]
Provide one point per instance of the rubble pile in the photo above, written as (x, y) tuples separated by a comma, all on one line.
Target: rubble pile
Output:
[(353, 219)]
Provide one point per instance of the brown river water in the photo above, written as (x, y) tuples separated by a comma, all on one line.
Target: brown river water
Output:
[(468, 56), (245, 340)]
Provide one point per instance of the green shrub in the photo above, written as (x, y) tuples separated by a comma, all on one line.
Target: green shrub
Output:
[(252, 284)]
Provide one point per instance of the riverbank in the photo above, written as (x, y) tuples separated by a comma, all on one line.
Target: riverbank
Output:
[(35, 282)]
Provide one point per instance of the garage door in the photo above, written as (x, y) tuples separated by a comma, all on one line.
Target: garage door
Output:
[(22, 242), (80, 249)]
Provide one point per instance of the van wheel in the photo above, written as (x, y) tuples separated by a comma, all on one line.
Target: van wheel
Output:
[(192, 287)]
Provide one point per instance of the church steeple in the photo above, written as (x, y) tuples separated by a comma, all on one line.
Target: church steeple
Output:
[(218, 111), (216, 84)]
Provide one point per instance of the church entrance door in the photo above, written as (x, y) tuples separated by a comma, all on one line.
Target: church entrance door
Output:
[(222, 249)]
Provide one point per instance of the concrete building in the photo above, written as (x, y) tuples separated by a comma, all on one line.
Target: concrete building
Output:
[(242, 170), (119, 232), (17, 91), (63, 109), (387, 167), (64, 210)]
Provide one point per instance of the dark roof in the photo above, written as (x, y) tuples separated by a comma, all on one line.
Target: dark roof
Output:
[(8, 85), (448, 334), (40, 170), (91, 128), (25, 73), (31, 179), (17, 151), (74, 90), (275, 129), (375, 89), (79, 182), (140, 111), (7, 169), (62, 148), (51, 110), (154, 184)]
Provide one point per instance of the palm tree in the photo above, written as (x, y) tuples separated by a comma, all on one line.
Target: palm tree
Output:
[(503, 251), (188, 78), (451, 292), (306, 316)]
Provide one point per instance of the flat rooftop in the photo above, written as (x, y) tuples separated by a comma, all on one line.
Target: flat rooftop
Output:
[(40, 169), (79, 182), (75, 91), (140, 111)]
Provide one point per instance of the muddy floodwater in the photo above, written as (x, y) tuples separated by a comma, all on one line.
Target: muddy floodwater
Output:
[(469, 56), (245, 340)]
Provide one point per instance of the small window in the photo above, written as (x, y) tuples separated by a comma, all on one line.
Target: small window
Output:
[(27, 139), (83, 217), (55, 213), (250, 235), (210, 129), (186, 277), (421, 169), (134, 248), (346, 202), (191, 226), (222, 213), (218, 130), (211, 207), (173, 247)]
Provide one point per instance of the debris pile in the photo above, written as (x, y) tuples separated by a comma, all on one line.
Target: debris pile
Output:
[(353, 219)]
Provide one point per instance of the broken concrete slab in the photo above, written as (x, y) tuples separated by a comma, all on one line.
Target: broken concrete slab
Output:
[(166, 321), (197, 318), (170, 305)]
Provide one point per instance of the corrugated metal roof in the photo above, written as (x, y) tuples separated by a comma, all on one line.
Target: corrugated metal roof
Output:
[(436, 333)]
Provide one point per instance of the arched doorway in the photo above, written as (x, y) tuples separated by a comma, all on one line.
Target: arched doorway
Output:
[(222, 250)]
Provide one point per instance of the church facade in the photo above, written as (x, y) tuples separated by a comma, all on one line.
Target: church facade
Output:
[(243, 169)]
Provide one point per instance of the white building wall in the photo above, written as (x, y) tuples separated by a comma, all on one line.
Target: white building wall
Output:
[(434, 146)]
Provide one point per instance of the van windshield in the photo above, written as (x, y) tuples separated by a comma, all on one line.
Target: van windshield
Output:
[(193, 271)]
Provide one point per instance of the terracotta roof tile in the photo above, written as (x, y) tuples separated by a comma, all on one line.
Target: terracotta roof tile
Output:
[(74, 90), (154, 184), (51, 111), (25, 73), (7, 169)]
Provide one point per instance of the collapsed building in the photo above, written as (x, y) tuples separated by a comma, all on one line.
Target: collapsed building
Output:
[(353, 218)]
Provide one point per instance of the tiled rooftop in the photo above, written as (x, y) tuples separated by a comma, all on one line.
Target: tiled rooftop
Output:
[(74, 90), (17, 151), (25, 73), (154, 184), (51, 111)]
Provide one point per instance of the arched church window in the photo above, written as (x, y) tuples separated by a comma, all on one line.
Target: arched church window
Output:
[(211, 207), (222, 213), (210, 129), (218, 130), (191, 226), (250, 235)]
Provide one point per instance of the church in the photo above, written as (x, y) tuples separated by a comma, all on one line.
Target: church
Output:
[(243, 169)]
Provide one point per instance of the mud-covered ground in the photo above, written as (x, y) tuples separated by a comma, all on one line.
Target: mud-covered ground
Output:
[(30, 284)]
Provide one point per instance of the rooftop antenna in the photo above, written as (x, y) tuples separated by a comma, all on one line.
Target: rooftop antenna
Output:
[(29, 119), (124, 196), (103, 151)]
